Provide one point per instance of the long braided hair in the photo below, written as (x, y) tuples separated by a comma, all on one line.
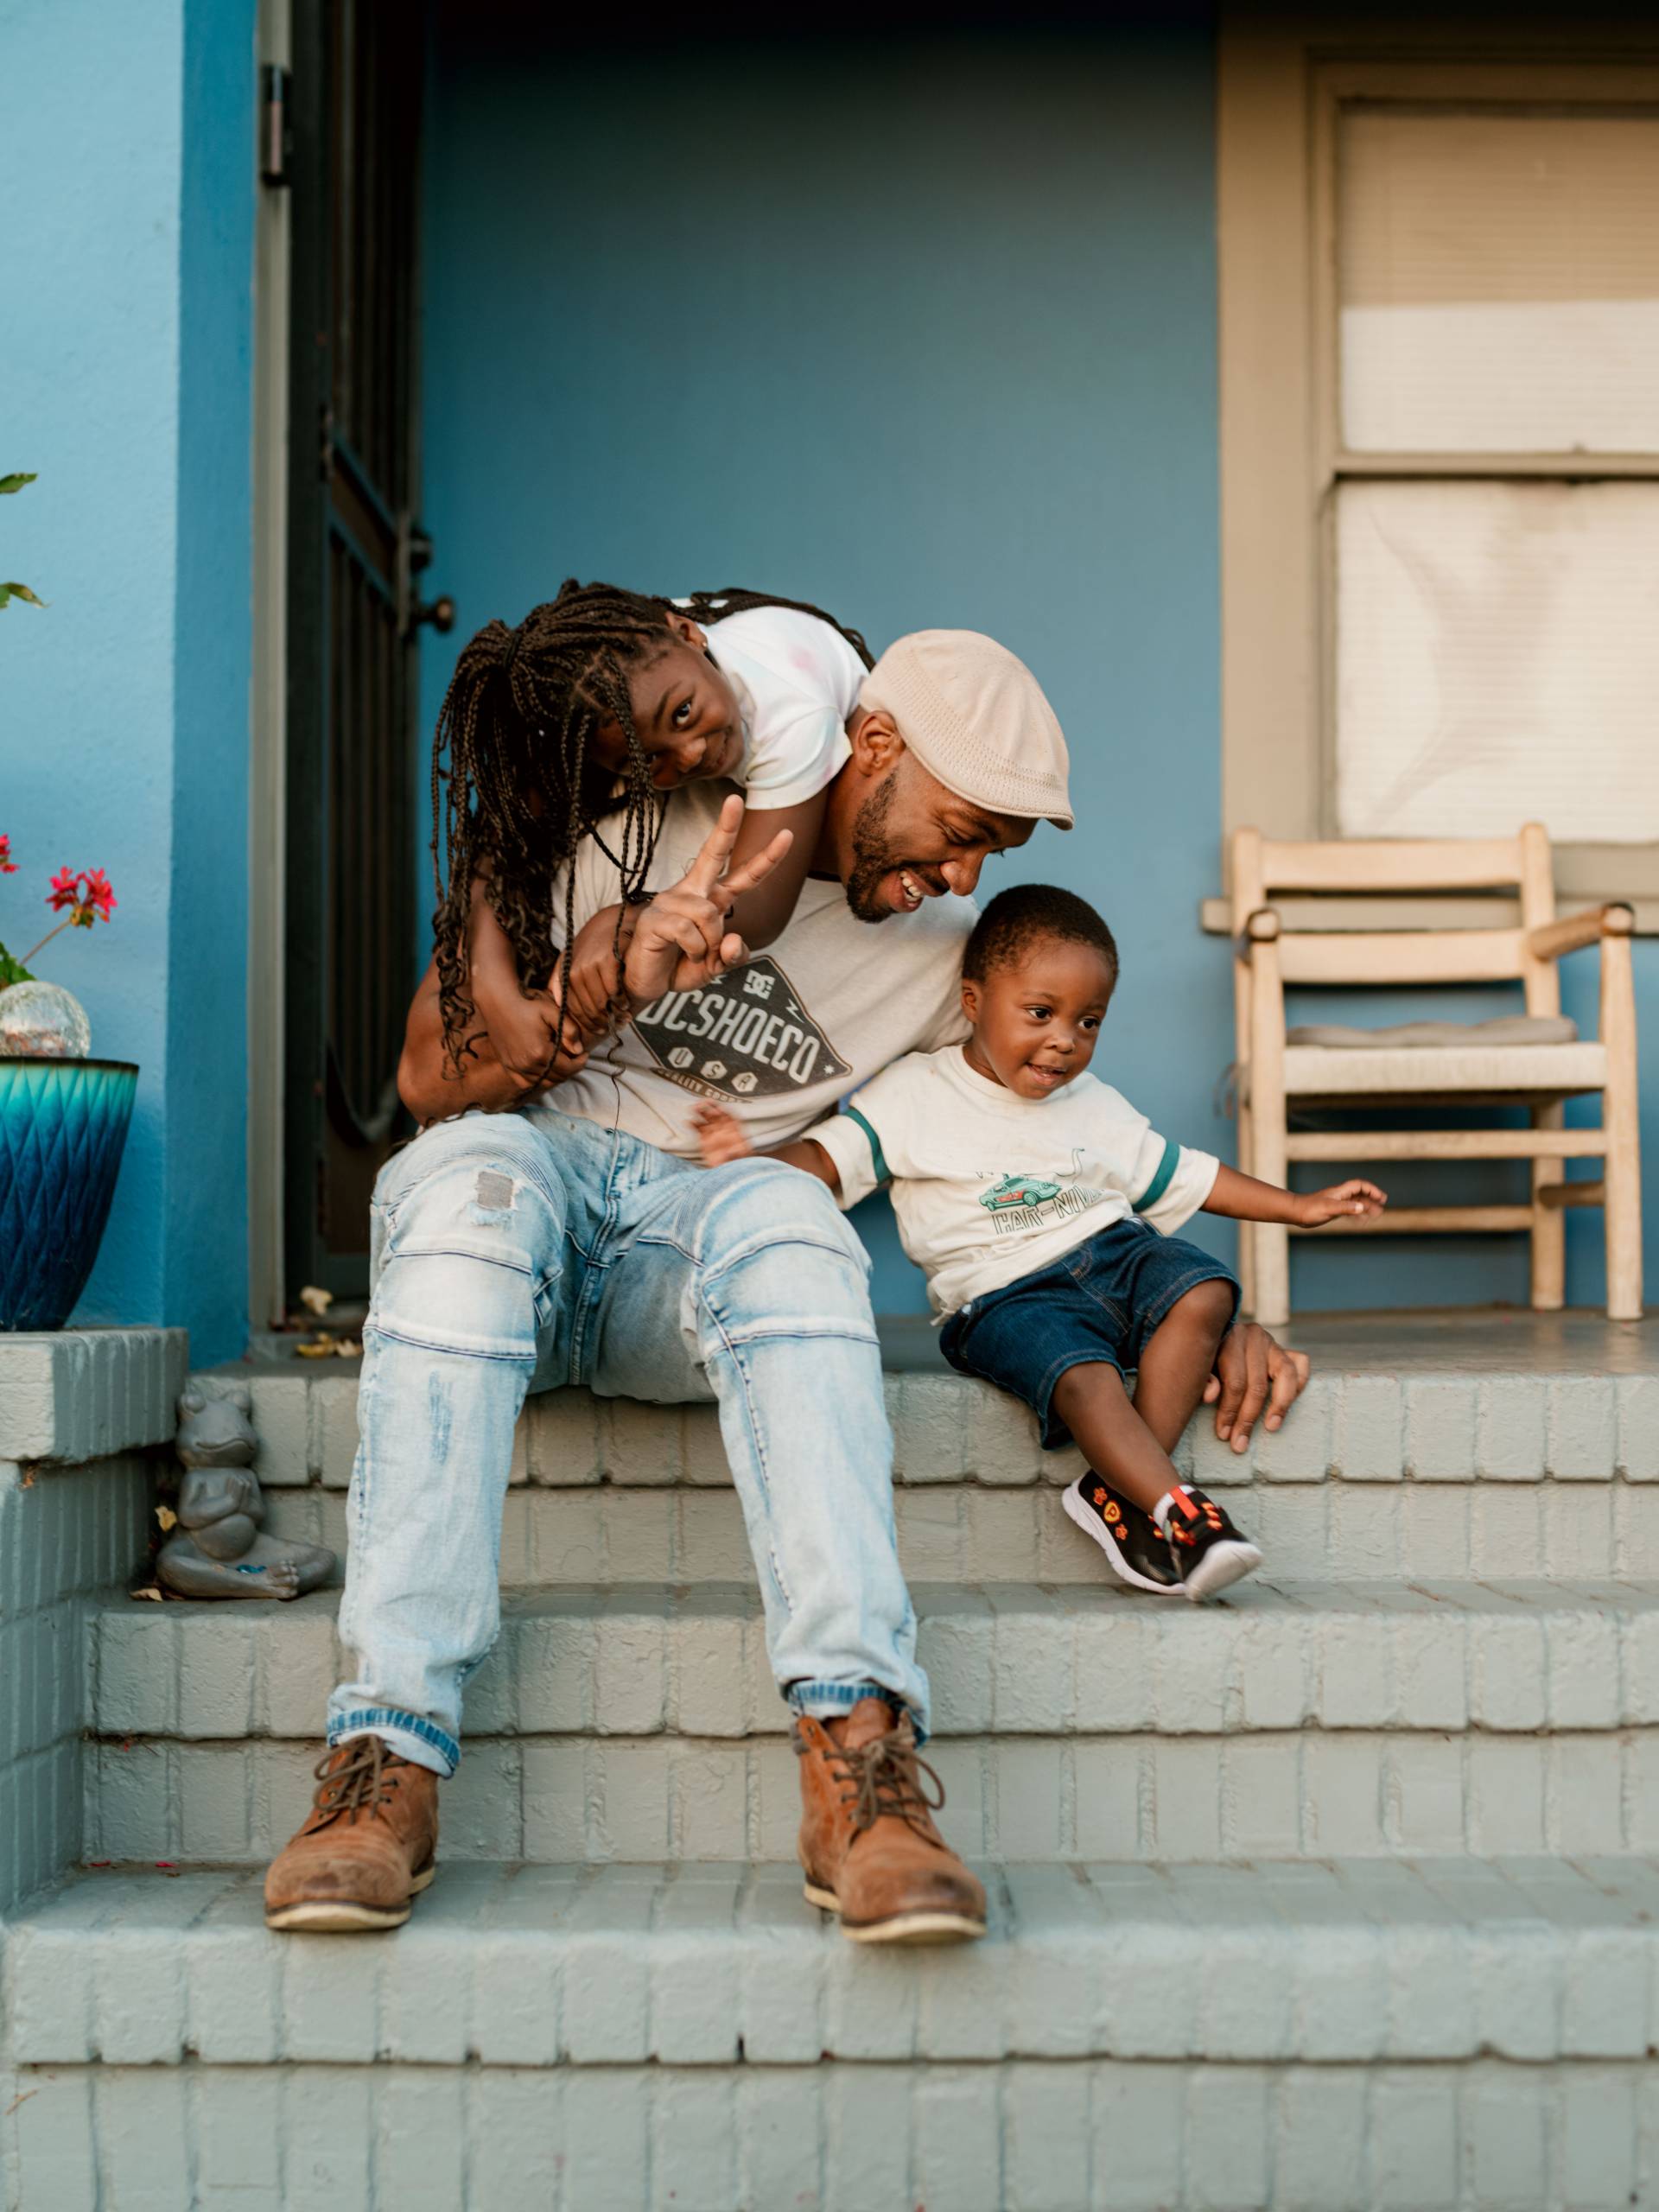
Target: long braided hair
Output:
[(516, 787)]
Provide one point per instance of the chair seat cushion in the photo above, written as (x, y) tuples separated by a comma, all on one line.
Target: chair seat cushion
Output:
[(1328, 1070), (1507, 1029)]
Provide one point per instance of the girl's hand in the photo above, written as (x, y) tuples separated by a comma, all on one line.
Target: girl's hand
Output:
[(684, 938), (1315, 1208), (528, 1038), (598, 1000), (523, 1031), (721, 1136)]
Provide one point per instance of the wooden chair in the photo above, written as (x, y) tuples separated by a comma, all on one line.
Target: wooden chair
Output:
[(1277, 1078)]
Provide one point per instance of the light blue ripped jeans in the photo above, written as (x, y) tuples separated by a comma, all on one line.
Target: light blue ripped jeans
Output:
[(517, 1252)]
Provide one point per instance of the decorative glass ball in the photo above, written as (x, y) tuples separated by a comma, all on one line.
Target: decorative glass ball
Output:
[(42, 1021)]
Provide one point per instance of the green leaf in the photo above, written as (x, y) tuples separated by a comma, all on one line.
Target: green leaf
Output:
[(19, 591), (16, 481), (12, 972)]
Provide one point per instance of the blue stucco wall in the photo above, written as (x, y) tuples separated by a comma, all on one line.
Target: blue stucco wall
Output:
[(126, 163), (924, 331)]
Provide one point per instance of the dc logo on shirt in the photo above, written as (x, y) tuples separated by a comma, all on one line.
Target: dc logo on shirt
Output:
[(746, 1035)]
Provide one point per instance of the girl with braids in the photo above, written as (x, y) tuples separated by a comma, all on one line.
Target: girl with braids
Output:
[(578, 723)]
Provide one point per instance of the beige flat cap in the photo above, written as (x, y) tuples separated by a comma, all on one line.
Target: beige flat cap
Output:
[(975, 716)]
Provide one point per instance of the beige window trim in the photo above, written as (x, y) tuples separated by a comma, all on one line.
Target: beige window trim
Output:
[(1279, 84)]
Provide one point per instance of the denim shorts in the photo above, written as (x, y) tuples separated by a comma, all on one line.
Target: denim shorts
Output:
[(1101, 1300)]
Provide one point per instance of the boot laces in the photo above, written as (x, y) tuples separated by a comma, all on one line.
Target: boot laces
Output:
[(885, 1775), (360, 1784)]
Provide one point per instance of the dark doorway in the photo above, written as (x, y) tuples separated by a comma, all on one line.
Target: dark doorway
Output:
[(356, 554)]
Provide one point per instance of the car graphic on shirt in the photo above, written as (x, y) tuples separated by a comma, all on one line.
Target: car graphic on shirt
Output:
[(1018, 1190)]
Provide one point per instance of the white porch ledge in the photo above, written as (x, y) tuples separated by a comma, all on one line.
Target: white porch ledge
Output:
[(74, 1394)]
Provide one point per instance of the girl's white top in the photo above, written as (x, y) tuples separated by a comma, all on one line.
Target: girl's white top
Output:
[(990, 1187), (797, 681)]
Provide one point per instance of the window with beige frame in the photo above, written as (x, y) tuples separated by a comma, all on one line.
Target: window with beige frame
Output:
[(1439, 429)]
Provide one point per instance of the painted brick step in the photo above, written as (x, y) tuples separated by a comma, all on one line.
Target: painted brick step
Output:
[(1296, 1720), (1439, 1427), (1005, 1659), (1293, 1794), (979, 1532), (1375, 1960), (1021, 2135)]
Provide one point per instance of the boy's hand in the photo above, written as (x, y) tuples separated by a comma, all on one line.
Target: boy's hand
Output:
[(721, 1136), (1315, 1208)]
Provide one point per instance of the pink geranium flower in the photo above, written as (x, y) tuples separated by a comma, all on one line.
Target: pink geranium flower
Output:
[(99, 893), (85, 891)]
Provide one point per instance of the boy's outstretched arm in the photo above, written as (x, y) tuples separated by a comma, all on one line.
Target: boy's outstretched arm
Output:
[(724, 1138), (1241, 1198)]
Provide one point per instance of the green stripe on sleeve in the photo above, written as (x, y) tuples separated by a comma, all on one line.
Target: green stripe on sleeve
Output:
[(1160, 1181), (883, 1172)]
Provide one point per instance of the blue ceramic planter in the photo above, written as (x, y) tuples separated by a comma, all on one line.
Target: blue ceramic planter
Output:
[(63, 1124)]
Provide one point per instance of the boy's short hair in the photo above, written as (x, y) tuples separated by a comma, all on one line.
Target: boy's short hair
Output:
[(1017, 918)]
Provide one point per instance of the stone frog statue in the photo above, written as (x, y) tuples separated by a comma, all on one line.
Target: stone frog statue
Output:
[(218, 1549)]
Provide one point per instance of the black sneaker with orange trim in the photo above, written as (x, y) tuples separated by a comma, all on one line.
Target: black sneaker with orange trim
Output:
[(1209, 1552), (1133, 1543)]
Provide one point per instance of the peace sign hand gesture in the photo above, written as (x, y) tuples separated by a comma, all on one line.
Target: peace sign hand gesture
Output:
[(684, 939)]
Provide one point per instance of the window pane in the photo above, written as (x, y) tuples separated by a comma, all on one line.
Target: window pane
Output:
[(1499, 280), (1497, 660)]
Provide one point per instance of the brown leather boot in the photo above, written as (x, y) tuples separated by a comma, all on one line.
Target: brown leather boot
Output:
[(368, 1844), (868, 1844)]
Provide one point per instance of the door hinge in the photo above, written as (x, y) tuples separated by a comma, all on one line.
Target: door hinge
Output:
[(414, 556), (276, 132)]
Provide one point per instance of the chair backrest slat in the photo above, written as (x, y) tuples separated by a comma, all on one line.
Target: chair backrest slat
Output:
[(1394, 869), (1380, 864), (1402, 956)]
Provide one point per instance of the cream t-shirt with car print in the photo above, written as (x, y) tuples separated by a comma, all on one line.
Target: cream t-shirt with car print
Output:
[(990, 1187)]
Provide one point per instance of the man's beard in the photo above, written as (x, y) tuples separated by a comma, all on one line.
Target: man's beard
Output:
[(871, 855)]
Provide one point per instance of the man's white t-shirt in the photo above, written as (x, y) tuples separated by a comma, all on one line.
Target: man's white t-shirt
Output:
[(780, 1041), (990, 1187), (797, 681)]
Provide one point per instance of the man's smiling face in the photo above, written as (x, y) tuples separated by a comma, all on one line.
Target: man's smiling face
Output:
[(900, 836)]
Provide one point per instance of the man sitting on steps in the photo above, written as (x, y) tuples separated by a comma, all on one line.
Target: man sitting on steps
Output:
[(574, 1240)]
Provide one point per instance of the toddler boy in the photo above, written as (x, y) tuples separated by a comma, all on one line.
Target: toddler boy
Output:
[(1042, 1207)]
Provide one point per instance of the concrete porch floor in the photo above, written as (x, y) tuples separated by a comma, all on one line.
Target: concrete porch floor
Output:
[(1482, 1339), (1469, 1339)]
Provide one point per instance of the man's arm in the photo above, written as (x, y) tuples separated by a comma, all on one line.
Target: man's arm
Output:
[(431, 1092), (683, 939)]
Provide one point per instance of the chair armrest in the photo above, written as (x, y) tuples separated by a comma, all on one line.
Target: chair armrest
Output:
[(1553, 939), (1261, 927)]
